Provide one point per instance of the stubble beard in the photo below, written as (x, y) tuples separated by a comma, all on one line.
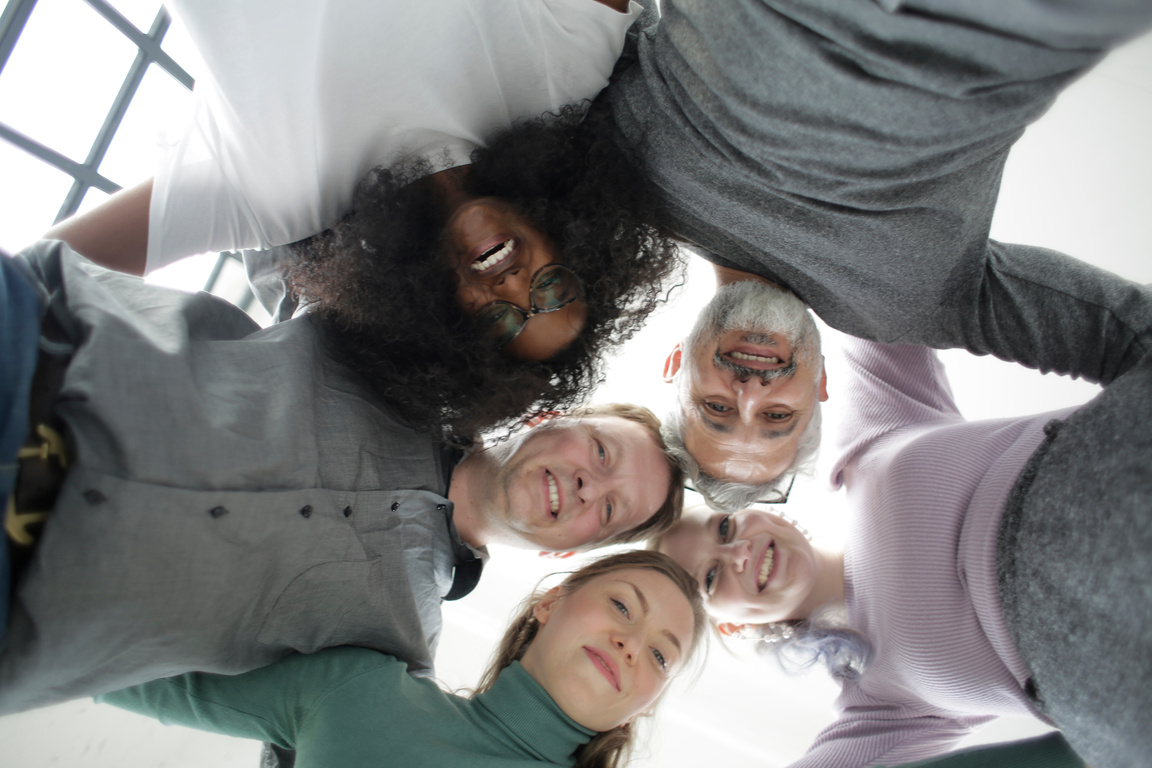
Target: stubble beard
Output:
[(505, 474)]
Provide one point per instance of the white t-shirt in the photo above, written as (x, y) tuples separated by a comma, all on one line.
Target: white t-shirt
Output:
[(300, 99)]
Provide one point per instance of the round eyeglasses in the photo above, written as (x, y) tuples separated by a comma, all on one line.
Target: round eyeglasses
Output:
[(553, 287)]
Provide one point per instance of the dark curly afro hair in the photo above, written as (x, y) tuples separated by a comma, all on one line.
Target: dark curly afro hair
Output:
[(387, 299)]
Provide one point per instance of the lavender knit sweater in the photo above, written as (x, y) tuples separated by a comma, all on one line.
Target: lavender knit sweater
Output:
[(928, 489)]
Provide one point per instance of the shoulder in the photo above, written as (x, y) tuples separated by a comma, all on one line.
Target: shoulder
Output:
[(590, 25), (353, 670)]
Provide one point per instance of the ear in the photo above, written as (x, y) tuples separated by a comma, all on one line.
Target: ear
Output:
[(672, 364), (555, 555), (543, 608), (540, 417), (823, 388), (729, 629)]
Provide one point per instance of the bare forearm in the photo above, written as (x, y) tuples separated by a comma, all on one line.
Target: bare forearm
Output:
[(115, 234)]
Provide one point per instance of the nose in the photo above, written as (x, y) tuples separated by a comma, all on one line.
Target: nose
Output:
[(628, 643), (514, 287), (591, 486), (748, 396), (739, 553)]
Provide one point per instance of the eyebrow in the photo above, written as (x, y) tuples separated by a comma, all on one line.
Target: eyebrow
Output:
[(639, 596), (771, 434), (644, 605), (775, 434), (715, 426)]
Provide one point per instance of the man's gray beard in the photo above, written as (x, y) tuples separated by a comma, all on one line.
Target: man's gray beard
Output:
[(767, 315)]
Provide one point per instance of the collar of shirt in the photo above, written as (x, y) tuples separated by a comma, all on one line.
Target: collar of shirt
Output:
[(529, 716), (469, 560)]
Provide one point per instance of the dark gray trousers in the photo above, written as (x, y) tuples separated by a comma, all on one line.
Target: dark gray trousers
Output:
[(1076, 573)]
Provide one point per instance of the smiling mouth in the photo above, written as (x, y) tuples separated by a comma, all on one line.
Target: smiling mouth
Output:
[(750, 358), (605, 665), (746, 365), (553, 494), (495, 256), (766, 567)]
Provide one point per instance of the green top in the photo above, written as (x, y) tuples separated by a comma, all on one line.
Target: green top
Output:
[(1049, 751), (352, 707)]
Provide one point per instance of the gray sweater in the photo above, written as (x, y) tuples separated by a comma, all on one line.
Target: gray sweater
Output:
[(852, 150)]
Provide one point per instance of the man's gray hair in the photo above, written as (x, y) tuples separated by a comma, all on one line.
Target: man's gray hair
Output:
[(730, 496)]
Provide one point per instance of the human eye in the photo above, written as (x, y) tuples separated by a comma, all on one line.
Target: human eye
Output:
[(660, 660), (710, 579), (779, 416), (607, 512), (717, 407), (600, 452), (494, 312), (724, 527), (623, 609), (549, 281)]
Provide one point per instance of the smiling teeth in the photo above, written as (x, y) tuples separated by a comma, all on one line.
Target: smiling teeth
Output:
[(553, 495), (754, 358), (494, 257), (766, 566)]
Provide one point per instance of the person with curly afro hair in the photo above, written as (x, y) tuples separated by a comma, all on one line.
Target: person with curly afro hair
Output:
[(446, 225), (432, 287)]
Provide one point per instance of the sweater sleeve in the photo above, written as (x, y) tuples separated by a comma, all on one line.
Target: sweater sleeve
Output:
[(1049, 311), (270, 703), (1048, 751), (891, 386), (884, 735)]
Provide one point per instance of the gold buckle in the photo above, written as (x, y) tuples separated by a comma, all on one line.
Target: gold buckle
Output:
[(16, 523), (51, 444)]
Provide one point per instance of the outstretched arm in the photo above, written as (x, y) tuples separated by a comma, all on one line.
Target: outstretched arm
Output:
[(270, 703), (1049, 311), (114, 234), (892, 386)]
